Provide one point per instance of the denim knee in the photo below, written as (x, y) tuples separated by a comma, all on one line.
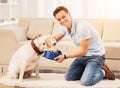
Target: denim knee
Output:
[(69, 78), (86, 83)]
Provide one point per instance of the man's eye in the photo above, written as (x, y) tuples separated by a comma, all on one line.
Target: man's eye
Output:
[(43, 43), (58, 19)]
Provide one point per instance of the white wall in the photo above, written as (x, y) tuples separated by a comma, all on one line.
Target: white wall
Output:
[(74, 6), (102, 9), (112, 9), (95, 8), (10, 9), (45, 8), (82, 8), (40, 8), (24, 8), (78, 8), (29, 8)]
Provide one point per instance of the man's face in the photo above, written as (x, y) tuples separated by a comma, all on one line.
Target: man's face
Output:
[(64, 19)]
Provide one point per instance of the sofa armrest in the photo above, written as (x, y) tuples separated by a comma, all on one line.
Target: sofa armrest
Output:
[(19, 32), (8, 45)]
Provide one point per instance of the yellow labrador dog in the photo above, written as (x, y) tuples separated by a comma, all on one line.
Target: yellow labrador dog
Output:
[(26, 58)]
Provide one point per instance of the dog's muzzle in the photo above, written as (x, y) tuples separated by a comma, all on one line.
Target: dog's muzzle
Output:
[(35, 48)]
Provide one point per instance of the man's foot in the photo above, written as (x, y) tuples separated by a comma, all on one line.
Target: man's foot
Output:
[(108, 73)]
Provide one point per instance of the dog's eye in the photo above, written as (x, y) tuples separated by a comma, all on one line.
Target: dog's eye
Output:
[(43, 43), (54, 44)]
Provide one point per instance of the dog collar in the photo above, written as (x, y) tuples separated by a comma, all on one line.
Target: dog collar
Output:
[(35, 48)]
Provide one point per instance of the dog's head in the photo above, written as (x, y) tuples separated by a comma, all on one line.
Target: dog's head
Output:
[(51, 44), (46, 42), (50, 41)]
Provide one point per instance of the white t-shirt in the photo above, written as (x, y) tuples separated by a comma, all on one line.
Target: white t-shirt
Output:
[(82, 30)]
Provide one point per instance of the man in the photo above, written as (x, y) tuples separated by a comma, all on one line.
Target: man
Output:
[(88, 66)]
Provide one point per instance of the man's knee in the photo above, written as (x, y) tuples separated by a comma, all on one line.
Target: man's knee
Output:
[(71, 78), (86, 83)]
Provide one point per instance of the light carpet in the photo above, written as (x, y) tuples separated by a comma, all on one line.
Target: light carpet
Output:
[(54, 80)]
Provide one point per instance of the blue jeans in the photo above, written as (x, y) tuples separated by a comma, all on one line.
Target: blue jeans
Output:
[(87, 69)]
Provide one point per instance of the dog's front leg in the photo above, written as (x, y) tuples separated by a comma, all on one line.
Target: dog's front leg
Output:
[(22, 70), (37, 71)]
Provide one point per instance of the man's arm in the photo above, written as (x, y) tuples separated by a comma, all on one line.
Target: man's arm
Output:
[(82, 51)]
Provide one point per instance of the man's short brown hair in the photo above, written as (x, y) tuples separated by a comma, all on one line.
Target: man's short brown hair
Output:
[(58, 9)]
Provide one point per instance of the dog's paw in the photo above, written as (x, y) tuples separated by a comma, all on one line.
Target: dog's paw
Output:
[(38, 77), (20, 80)]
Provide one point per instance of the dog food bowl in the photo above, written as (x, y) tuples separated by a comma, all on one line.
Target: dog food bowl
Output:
[(51, 55)]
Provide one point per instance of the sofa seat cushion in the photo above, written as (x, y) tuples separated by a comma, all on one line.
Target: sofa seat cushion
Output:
[(114, 65), (112, 50), (64, 46), (46, 63)]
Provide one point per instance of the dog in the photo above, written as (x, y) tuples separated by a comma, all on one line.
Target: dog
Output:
[(26, 59)]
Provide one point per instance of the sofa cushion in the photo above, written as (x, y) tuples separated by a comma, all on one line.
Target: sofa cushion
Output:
[(113, 64), (19, 32), (25, 22), (39, 27), (111, 32), (112, 50), (98, 24)]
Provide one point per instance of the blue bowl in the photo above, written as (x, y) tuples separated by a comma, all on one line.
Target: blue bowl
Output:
[(51, 55)]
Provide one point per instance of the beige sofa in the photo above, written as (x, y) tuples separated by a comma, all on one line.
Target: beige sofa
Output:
[(13, 36)]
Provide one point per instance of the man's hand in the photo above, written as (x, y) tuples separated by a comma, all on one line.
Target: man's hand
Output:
[(59, 58)]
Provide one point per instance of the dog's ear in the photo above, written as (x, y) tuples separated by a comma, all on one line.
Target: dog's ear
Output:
[(39, 35)]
